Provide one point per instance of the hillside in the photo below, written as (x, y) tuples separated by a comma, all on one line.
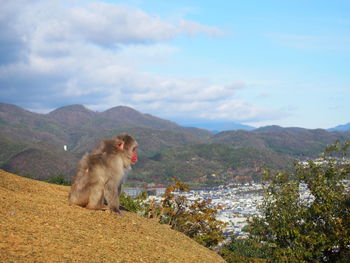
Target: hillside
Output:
[(32, 145), (37, 225), (207, 164), (343, 127), (295, 142)]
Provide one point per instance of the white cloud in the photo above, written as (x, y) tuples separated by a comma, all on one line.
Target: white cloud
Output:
[(90, 53), (106, 24), (192, 28)]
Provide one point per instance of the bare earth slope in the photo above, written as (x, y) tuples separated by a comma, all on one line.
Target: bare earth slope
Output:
[(37, 225)]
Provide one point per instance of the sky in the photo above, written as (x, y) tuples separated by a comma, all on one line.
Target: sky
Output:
[(253, 62)]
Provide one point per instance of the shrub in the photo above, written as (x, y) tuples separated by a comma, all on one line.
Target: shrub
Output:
[(196, 219), (244, 250), (136, 204), (58, 179)]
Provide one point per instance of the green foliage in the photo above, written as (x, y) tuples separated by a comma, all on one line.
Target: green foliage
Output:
[(311, 228), (136, 204), (247, 248), (58, 179), (195, 219), (231, 257), (196, 163)]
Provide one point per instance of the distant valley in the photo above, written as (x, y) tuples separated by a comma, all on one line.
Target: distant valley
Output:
[(33, 145)]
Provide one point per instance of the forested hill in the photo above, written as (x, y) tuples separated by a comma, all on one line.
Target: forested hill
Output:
[(296, 142), (32, 145), (37, 225)]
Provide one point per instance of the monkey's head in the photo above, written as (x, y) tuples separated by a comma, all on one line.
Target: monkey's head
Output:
[(128, 144)]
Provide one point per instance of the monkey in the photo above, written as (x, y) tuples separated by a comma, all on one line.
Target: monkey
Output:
[(100, 174), (100, 148)]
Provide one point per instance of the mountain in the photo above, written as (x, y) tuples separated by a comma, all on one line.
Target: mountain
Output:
[(32, 145), (21, 125), (132, 117), (240, 152), (37, 225), (40, 161), (344, 127), (296, 142), (120, 116), (208, 164), (217, 127), (73, 115)]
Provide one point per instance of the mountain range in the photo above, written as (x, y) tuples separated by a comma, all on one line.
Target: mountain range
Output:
[(343, 127), (32, 145), (217, 126)]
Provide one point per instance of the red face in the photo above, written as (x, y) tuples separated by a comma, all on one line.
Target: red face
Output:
[(134, 156)]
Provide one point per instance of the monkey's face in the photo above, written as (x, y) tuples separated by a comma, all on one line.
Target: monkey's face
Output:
[(134, 155), (128, 145)]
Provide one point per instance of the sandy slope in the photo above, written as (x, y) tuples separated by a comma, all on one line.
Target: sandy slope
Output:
[(37, 225)]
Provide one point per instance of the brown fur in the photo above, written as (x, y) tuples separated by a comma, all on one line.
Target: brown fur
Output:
[(100, 174)]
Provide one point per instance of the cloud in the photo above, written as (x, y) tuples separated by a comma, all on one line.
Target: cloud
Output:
[(61, 52), (192, 28), (12, 44), (105, 24)]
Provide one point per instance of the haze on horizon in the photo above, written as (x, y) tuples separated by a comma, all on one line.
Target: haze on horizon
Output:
[(257, 63)]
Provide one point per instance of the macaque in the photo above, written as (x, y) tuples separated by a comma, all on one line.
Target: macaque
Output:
[(100, 174), (100, 148)]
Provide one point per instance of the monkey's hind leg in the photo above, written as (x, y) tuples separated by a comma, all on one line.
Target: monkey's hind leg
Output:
[(96, 199), (78, 198)]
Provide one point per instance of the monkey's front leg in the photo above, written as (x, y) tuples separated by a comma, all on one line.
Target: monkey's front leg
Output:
[(112, 196)]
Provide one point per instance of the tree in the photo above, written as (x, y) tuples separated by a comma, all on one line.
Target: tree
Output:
[(244, 251), (196, 219), (305, 216)]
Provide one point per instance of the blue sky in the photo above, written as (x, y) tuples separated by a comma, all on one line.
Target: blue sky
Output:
[(253, 62)]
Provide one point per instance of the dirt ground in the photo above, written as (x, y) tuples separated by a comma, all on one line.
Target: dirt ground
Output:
[(37, 225)]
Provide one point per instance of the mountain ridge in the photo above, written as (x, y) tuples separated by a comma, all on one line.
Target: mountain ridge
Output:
[(342, 127), (33, 145), (72, 115), (216, 127)]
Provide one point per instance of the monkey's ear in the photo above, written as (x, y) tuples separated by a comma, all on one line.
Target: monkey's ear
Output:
[(120, 145)]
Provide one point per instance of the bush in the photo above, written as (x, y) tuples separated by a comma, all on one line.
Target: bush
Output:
[(309, 225), (136, 204), (58, 179), (244, 250), (231, 257), (196, 219), (247, 248)]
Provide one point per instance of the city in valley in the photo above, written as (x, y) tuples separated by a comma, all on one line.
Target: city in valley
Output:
[(238, 202)]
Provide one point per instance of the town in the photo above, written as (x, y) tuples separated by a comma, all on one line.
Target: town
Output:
[(238, 202)]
